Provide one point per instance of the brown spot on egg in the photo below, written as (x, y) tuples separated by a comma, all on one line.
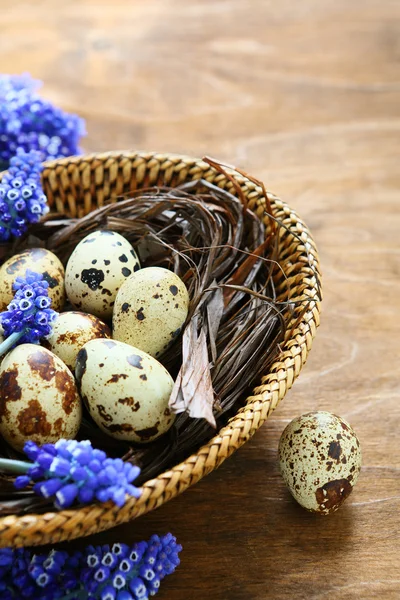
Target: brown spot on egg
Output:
[(42, 363), (106, 291), (124, 427), (334, 450), (103, 413), (167, 412), (156, 296), (9, 389), (58, 426), (66, 386), (143, 377), (15, 266), (173, 289), (149, 432), (93, 278), (33, 420), (135, 361), (125, 307), (140, 315), (52, 281), (69, 337), (81, 361), (114, 378), (131, 402), (331, 495), (102, 329)]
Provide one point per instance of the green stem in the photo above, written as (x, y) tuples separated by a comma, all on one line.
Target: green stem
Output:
[(9, 342), (14, 466)]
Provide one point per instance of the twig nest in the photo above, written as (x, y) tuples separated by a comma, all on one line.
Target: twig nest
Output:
[(38, 260), (150, 309), (126, 390), (96, 269), (39, 400), (71, 331), (320, 460)]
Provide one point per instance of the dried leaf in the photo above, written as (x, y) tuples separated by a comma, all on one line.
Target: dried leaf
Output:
[(215, 310), (193, 391)]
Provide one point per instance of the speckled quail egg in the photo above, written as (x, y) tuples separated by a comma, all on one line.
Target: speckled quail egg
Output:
[(39, 400), (38, 260), (71, 331), (125, 390), (150, 309), (97, 268), (320, 460)]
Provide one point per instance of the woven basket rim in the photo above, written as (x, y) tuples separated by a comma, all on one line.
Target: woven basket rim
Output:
[(33, 529)]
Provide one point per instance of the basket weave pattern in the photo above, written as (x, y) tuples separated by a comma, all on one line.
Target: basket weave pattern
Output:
[(78, 185)]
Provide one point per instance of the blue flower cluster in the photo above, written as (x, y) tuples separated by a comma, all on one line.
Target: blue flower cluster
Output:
[(29, 122), (22, 200), (71, 470), (119, 572), (29, 314)]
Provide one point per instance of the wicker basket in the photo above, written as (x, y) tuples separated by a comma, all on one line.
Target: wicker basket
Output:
[(80, 184)]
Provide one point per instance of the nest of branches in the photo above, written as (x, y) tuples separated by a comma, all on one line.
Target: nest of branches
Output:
[(228, 258)]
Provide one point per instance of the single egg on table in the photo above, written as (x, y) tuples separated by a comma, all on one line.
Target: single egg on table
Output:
[(320, 460), (96, 269), (39, 400), (38, 260), (126, 390), (70, 332), (150, 310)]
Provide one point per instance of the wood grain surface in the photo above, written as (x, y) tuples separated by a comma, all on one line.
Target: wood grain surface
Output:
[(306, 96)]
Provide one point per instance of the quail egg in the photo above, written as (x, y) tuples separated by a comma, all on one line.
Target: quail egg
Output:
[(71, 331), (39, 260), (125, 390), (38, 397), (320, 460), (97, 268), (150, 310)]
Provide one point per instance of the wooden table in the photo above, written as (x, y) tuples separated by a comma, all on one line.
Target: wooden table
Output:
[(306, 96)]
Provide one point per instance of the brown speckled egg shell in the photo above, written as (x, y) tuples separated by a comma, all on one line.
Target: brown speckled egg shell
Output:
[(70, 333), (39, 400), (39, 260), (150, 310), (96, 269), (125, 390), (320, 460)]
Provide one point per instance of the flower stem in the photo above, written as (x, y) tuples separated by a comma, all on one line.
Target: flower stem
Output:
[(10, 341), (14, 466)]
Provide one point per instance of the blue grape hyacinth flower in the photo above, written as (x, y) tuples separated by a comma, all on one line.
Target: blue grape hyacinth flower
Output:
[(29, 122), (22, 200), (118, 572), (29, 315), (70, 471)]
